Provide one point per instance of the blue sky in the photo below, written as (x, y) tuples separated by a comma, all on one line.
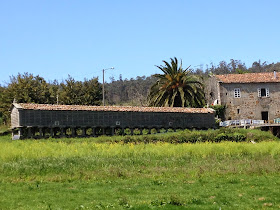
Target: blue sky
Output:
[(54, 38)]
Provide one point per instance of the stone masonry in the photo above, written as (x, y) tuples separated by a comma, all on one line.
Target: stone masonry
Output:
[(246, 96)]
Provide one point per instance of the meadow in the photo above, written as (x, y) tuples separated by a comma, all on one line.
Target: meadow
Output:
[(108, 172)]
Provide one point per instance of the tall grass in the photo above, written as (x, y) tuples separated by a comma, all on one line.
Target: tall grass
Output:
[(19, 150), (64, 159), (27, 160), (82, 173)]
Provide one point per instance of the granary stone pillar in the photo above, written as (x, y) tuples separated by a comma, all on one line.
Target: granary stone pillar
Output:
[(123, 131), (51, 132), (40, 133), (14, 135), (43, 132), (141, 131), (113, 131), (103, 131), (158, 130), (131, 131), (20, 133), (29, 135), (83, 132), (93, 132), (73, 132), (62, 132), (149, 130)]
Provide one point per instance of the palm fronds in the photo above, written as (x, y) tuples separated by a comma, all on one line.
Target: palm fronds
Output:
[(176, 87)]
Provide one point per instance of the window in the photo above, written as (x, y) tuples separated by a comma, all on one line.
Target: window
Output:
[(238, 111), (237, 93), (263, 92)]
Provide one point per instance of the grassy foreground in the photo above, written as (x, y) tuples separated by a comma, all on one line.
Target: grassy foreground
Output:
[(50, 174)]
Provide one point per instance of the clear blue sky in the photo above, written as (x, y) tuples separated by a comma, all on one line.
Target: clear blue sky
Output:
[(54, 38)]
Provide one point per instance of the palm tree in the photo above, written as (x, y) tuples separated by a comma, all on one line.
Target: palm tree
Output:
[(176, 87)]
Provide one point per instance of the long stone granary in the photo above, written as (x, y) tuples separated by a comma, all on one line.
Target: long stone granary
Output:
[(45, 120)]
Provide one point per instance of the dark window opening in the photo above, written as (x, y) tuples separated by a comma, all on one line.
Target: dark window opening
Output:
[(238, 111), (263, 92)]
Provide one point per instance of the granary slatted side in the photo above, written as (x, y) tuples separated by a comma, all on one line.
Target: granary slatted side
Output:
[(39, 118)]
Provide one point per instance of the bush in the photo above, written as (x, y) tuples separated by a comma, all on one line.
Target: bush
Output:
[(220, 110), (188, 137), (185, 136), (221, 137), (238, 137)]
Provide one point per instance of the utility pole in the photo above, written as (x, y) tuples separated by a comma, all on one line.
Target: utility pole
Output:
[(103, 90)]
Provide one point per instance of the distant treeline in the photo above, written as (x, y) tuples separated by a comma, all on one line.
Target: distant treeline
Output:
[(238, 67), (135, 91), (27, 88), (131, 92)]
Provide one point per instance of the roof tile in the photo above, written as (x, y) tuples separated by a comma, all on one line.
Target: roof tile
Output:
[(264, 77), (111, 108)]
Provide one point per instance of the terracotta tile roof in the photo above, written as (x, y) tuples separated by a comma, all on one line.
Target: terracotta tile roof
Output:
[(111, 108), (249, 77)]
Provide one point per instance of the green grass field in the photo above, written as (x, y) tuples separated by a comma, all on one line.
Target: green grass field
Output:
[(87, 174)]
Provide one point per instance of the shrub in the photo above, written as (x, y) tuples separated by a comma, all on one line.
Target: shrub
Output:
[(176, 201), (185, 136), (188, 137), (238, 137), (221, 137), (220, 110)]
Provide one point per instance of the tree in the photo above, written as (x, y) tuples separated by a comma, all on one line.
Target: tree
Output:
[(92, 92), (2, 89), (74, 92), (24, 88), (176, 87)]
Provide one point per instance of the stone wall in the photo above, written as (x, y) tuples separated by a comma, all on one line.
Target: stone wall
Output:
[(250, 105), (212, 91)]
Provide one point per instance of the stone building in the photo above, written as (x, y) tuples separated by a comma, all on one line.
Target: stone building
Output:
[(45, 120), (246, 96)]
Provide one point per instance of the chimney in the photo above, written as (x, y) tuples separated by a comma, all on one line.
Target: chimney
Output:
[(275, 77)]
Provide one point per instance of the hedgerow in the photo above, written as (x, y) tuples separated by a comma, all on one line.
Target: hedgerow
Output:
[(198, 136), (183, 136)]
